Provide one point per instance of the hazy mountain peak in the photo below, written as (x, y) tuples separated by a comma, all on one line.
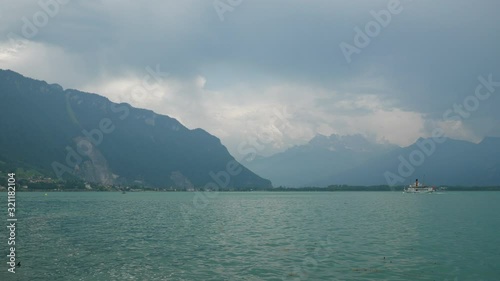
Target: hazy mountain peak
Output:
[(319, 159), (334, 142), (319, 140)]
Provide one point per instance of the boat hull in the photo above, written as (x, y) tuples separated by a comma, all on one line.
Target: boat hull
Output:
[(419, 190)]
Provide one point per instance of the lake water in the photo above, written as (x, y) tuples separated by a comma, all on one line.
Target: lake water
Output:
[(256, 236)]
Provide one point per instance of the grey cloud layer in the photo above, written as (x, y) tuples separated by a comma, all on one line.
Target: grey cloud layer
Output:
[(424, 61)]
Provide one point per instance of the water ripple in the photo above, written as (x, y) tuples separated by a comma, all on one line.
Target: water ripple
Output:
[(258, 236)]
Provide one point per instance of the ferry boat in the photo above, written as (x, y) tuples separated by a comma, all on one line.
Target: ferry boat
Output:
[(417, 188)]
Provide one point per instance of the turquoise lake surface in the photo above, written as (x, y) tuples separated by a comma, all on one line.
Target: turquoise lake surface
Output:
[(255, 236)]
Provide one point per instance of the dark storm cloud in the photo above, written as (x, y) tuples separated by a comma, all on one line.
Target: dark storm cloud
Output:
[(425, 60)]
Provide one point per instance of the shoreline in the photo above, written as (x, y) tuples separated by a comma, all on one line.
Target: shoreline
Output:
[(313, 189)]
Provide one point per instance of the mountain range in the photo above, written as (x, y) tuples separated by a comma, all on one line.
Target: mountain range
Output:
[(70, 134), (355, 160)]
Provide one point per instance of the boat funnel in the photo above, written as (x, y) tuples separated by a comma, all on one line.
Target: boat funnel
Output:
[(416, 182)]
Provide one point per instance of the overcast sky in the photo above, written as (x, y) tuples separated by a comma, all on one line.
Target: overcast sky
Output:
[(274, 71)]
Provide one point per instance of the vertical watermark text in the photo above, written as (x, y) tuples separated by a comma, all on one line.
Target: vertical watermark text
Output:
[(11, 222)]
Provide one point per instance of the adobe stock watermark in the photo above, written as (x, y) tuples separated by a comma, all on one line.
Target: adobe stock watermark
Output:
[(427, 147), (31, 26), (268, 135), (363, 37), (223, 6), (311, 261), (220, 180), (248, 148), (89, 140), (11, 222)]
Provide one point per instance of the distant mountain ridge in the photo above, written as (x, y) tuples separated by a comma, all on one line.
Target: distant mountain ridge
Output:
[(313, 163), (453, 162), (70, 133), (354, 160)]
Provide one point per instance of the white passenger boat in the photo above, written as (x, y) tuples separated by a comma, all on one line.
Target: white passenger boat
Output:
[(419, 188)]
